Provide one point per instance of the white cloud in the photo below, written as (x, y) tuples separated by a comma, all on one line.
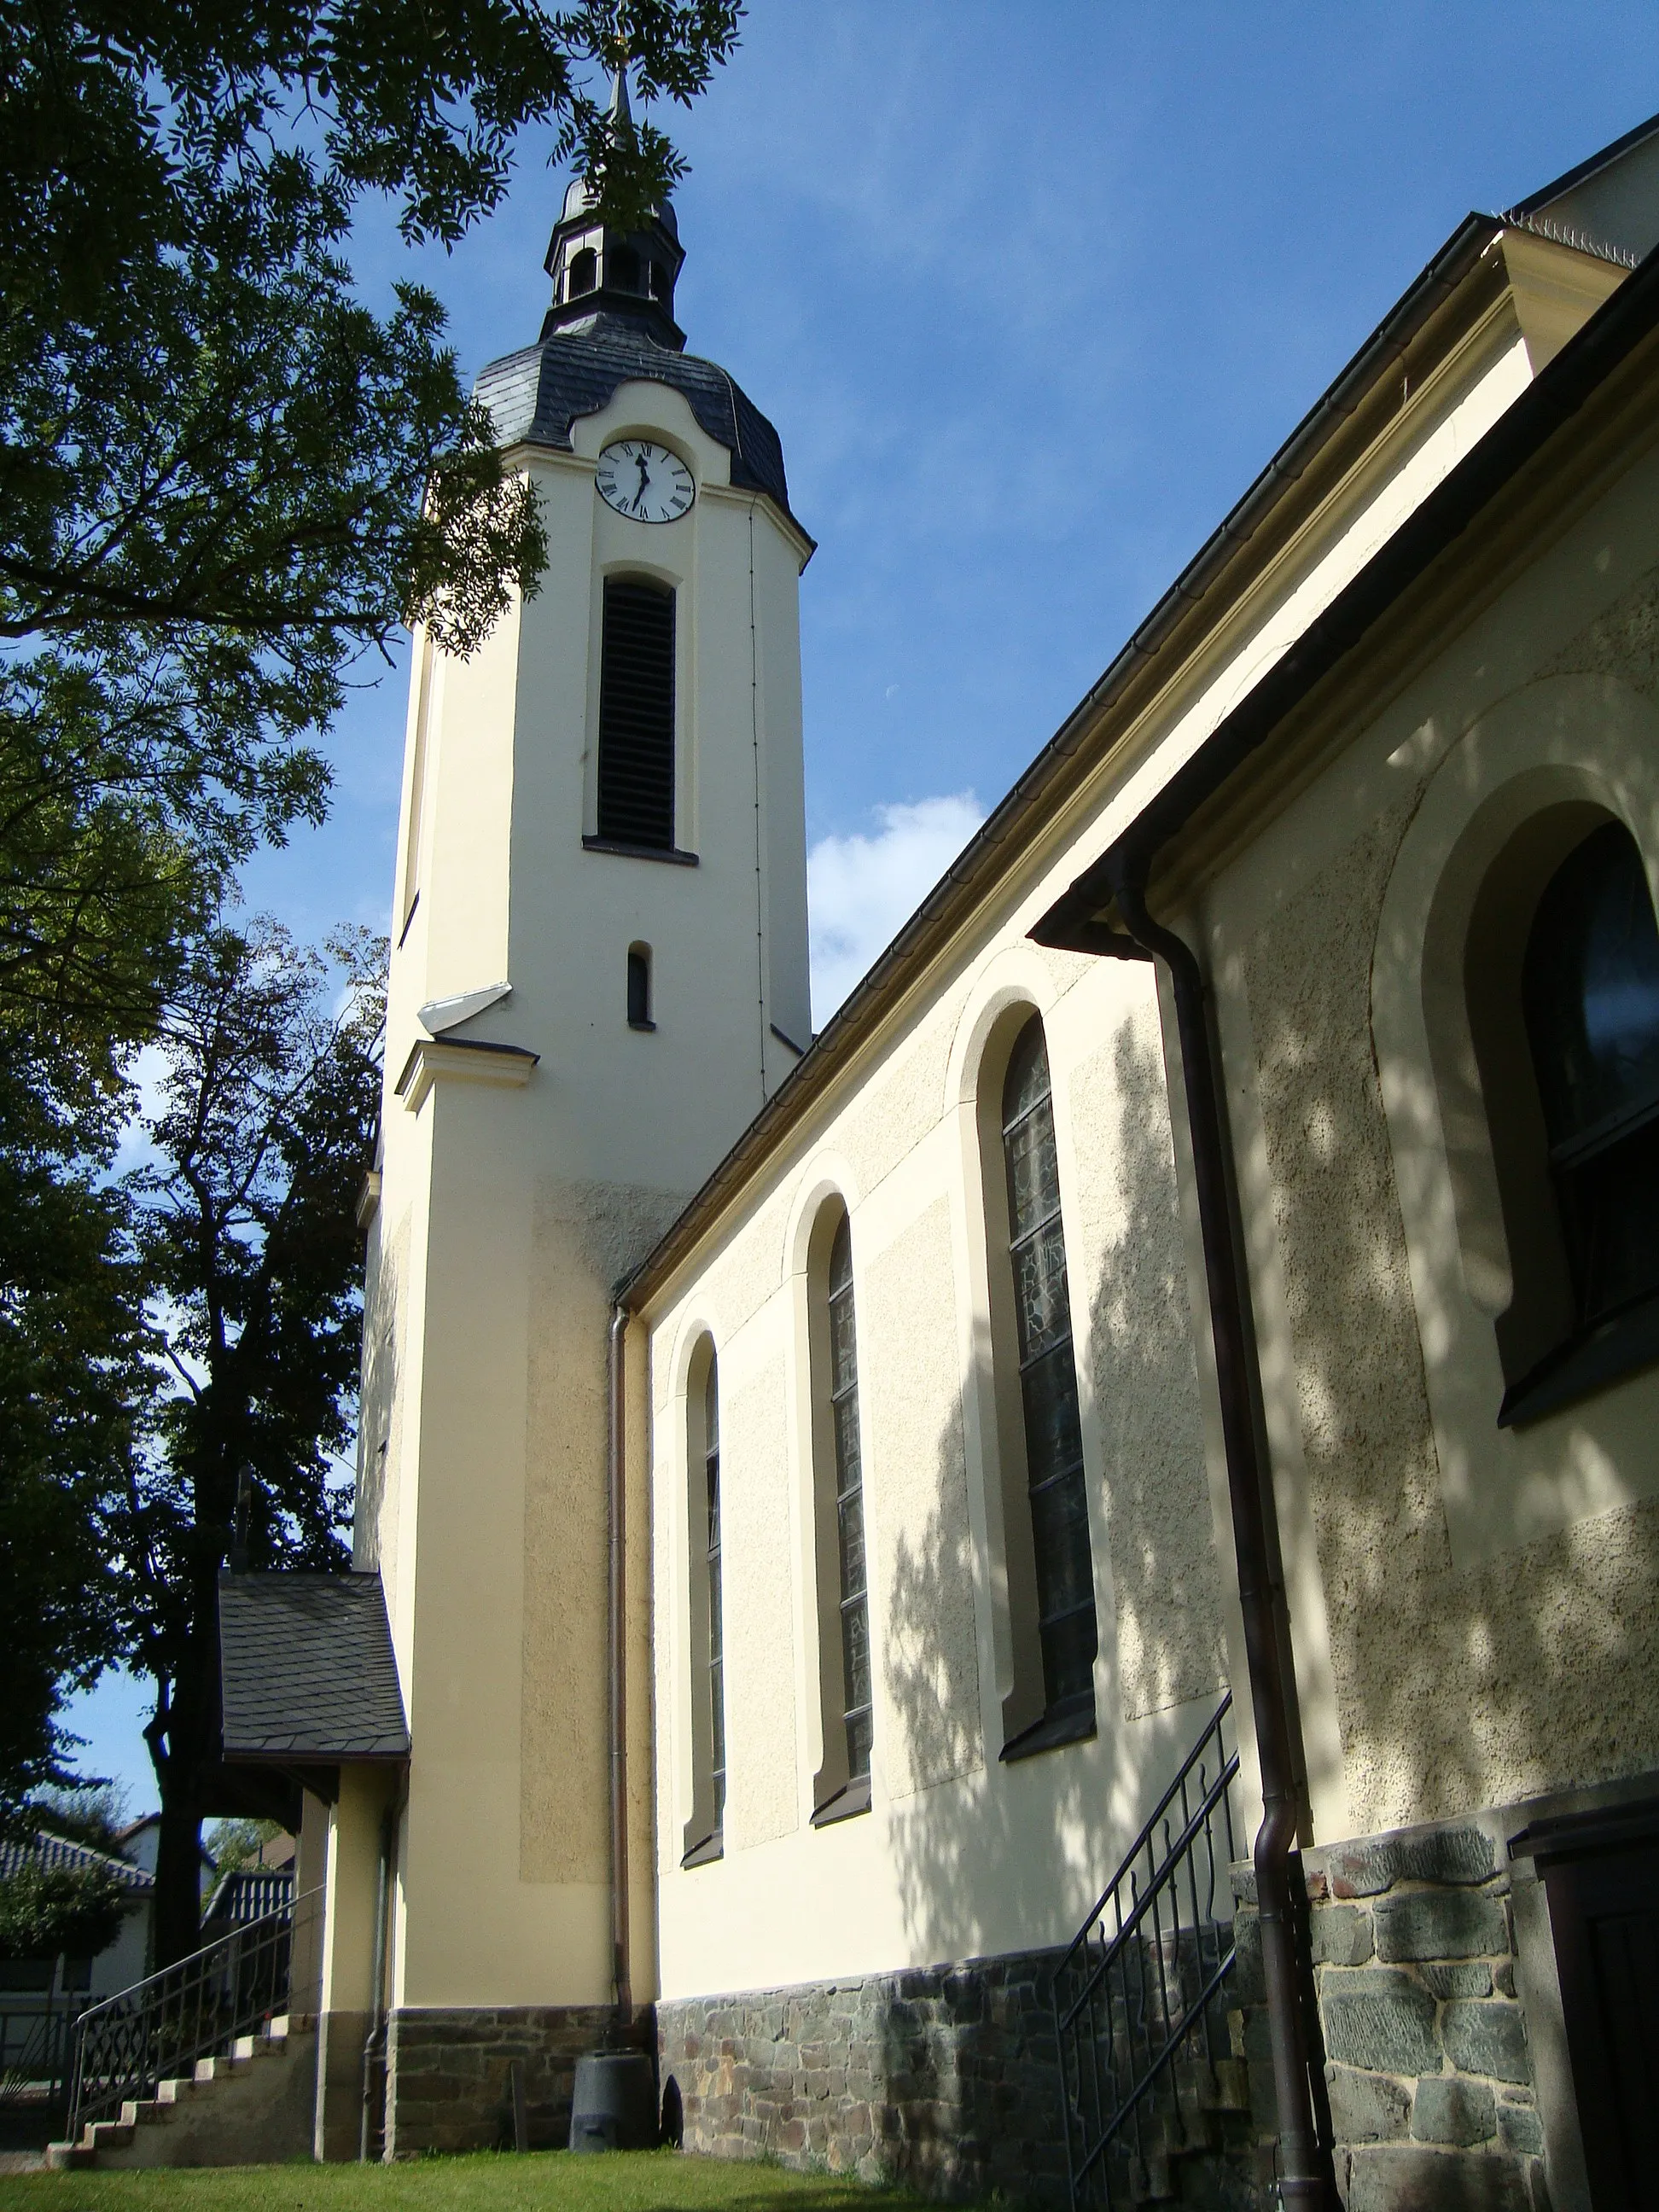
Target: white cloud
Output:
[(860, 890)]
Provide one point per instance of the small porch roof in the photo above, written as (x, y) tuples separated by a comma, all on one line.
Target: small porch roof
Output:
[(309, 1677)]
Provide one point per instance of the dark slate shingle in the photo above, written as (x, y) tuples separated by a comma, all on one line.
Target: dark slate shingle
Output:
[(308, 1669), (534, 396)]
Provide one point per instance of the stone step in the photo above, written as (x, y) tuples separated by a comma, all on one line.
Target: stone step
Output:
[(222, 2069), (69, 2157), (270, 2041)]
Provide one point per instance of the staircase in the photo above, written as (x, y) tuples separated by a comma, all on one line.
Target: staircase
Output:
[(202, 2064), (1155, 2089), (252, 2105)]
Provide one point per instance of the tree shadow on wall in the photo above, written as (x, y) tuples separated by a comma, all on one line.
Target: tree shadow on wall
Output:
[(1457, 1686), (1002, 1861)]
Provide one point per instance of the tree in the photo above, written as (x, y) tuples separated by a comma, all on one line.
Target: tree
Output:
[(222, 477), (245, 1224), (72, 1360), (48, 1913)]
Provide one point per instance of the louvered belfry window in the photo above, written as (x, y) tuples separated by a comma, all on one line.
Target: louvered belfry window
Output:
[(636, 714)]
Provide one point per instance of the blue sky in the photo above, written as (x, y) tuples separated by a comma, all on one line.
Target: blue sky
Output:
[(1031, 293)]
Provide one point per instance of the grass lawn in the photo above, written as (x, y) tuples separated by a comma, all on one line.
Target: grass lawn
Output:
[(547, 2181)]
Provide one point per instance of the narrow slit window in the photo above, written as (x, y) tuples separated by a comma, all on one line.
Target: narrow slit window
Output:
[(716, 1665), (850, 1507), (636, 714), (639, 988), (1047, 1381)]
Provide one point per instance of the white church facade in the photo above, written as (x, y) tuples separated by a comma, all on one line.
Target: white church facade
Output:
[(822, 1489)]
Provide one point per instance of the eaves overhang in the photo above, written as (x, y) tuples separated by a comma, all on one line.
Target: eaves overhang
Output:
[(1080, 920)]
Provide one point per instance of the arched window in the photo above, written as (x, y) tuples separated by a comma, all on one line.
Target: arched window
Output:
[(639, 988), (622, 268), (1061, 1555), (843, 1783), (583, 273), (637, 715), (704, 1830), (1589, 998), (711, 1488)]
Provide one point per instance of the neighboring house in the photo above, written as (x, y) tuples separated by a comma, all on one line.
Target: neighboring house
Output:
[(250, 1893), (141, 1842), (33, 1989), (1214, 1248)]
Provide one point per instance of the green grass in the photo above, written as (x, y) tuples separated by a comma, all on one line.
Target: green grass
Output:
[(547, 2181)]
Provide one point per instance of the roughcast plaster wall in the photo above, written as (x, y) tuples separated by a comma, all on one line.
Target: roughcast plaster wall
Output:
[(1457, 1687), (584, 1237)]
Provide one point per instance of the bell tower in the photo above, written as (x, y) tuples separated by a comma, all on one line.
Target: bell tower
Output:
[(599, 976)]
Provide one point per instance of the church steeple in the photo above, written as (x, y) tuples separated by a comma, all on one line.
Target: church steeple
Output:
[(608, 278)]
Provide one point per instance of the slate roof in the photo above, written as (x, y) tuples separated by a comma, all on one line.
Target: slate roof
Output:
[(535, 395), (308, 1672), (250, 1894), (42, 1850)]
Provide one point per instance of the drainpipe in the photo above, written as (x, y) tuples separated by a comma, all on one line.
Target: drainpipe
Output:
[(377, 2022), (1306, 2176), (616, 1481)]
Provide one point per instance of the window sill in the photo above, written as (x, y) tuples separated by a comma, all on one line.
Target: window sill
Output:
[(704, 1854), (846, 1804), (1074, 1721), (671, 853), (1622, 1345)]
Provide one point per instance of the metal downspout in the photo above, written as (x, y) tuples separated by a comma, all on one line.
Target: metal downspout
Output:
[(616, 1486), (377, 2020), (1305, 2177)]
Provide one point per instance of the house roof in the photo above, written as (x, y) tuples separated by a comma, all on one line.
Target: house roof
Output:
[(1067, 757), (308, 1673), (43, 1849), (250, 1893), (535, 395)]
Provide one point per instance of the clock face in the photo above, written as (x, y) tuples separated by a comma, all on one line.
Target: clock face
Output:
[(645, 481)]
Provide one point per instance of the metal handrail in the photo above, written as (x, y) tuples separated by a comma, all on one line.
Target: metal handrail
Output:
[(1137, 1985), (127, 2043)]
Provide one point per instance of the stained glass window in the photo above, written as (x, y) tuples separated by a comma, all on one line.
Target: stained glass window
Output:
[(1048, 1378)]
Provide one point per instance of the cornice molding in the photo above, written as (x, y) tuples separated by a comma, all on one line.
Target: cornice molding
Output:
[(469, 1060)]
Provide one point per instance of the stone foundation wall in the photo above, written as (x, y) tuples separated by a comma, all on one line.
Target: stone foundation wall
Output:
[(942, 2077), (447, 2082), (1428, 2068)]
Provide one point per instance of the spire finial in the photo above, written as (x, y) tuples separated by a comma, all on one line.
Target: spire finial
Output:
[(619, 115)]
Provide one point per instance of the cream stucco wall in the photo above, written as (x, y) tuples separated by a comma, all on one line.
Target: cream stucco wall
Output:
[(960, 1852), (519, 1185)]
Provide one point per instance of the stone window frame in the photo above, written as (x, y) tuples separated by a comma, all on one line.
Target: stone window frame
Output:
[(1587, 743), (1017, 986)]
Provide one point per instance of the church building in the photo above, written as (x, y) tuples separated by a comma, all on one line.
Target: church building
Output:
[(1052, 1588)]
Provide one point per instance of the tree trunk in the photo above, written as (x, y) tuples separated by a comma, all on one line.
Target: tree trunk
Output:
[(178, 1880)]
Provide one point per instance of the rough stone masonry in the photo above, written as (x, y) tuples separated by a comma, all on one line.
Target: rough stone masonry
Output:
[(943, 2077), (1428, 2069)]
